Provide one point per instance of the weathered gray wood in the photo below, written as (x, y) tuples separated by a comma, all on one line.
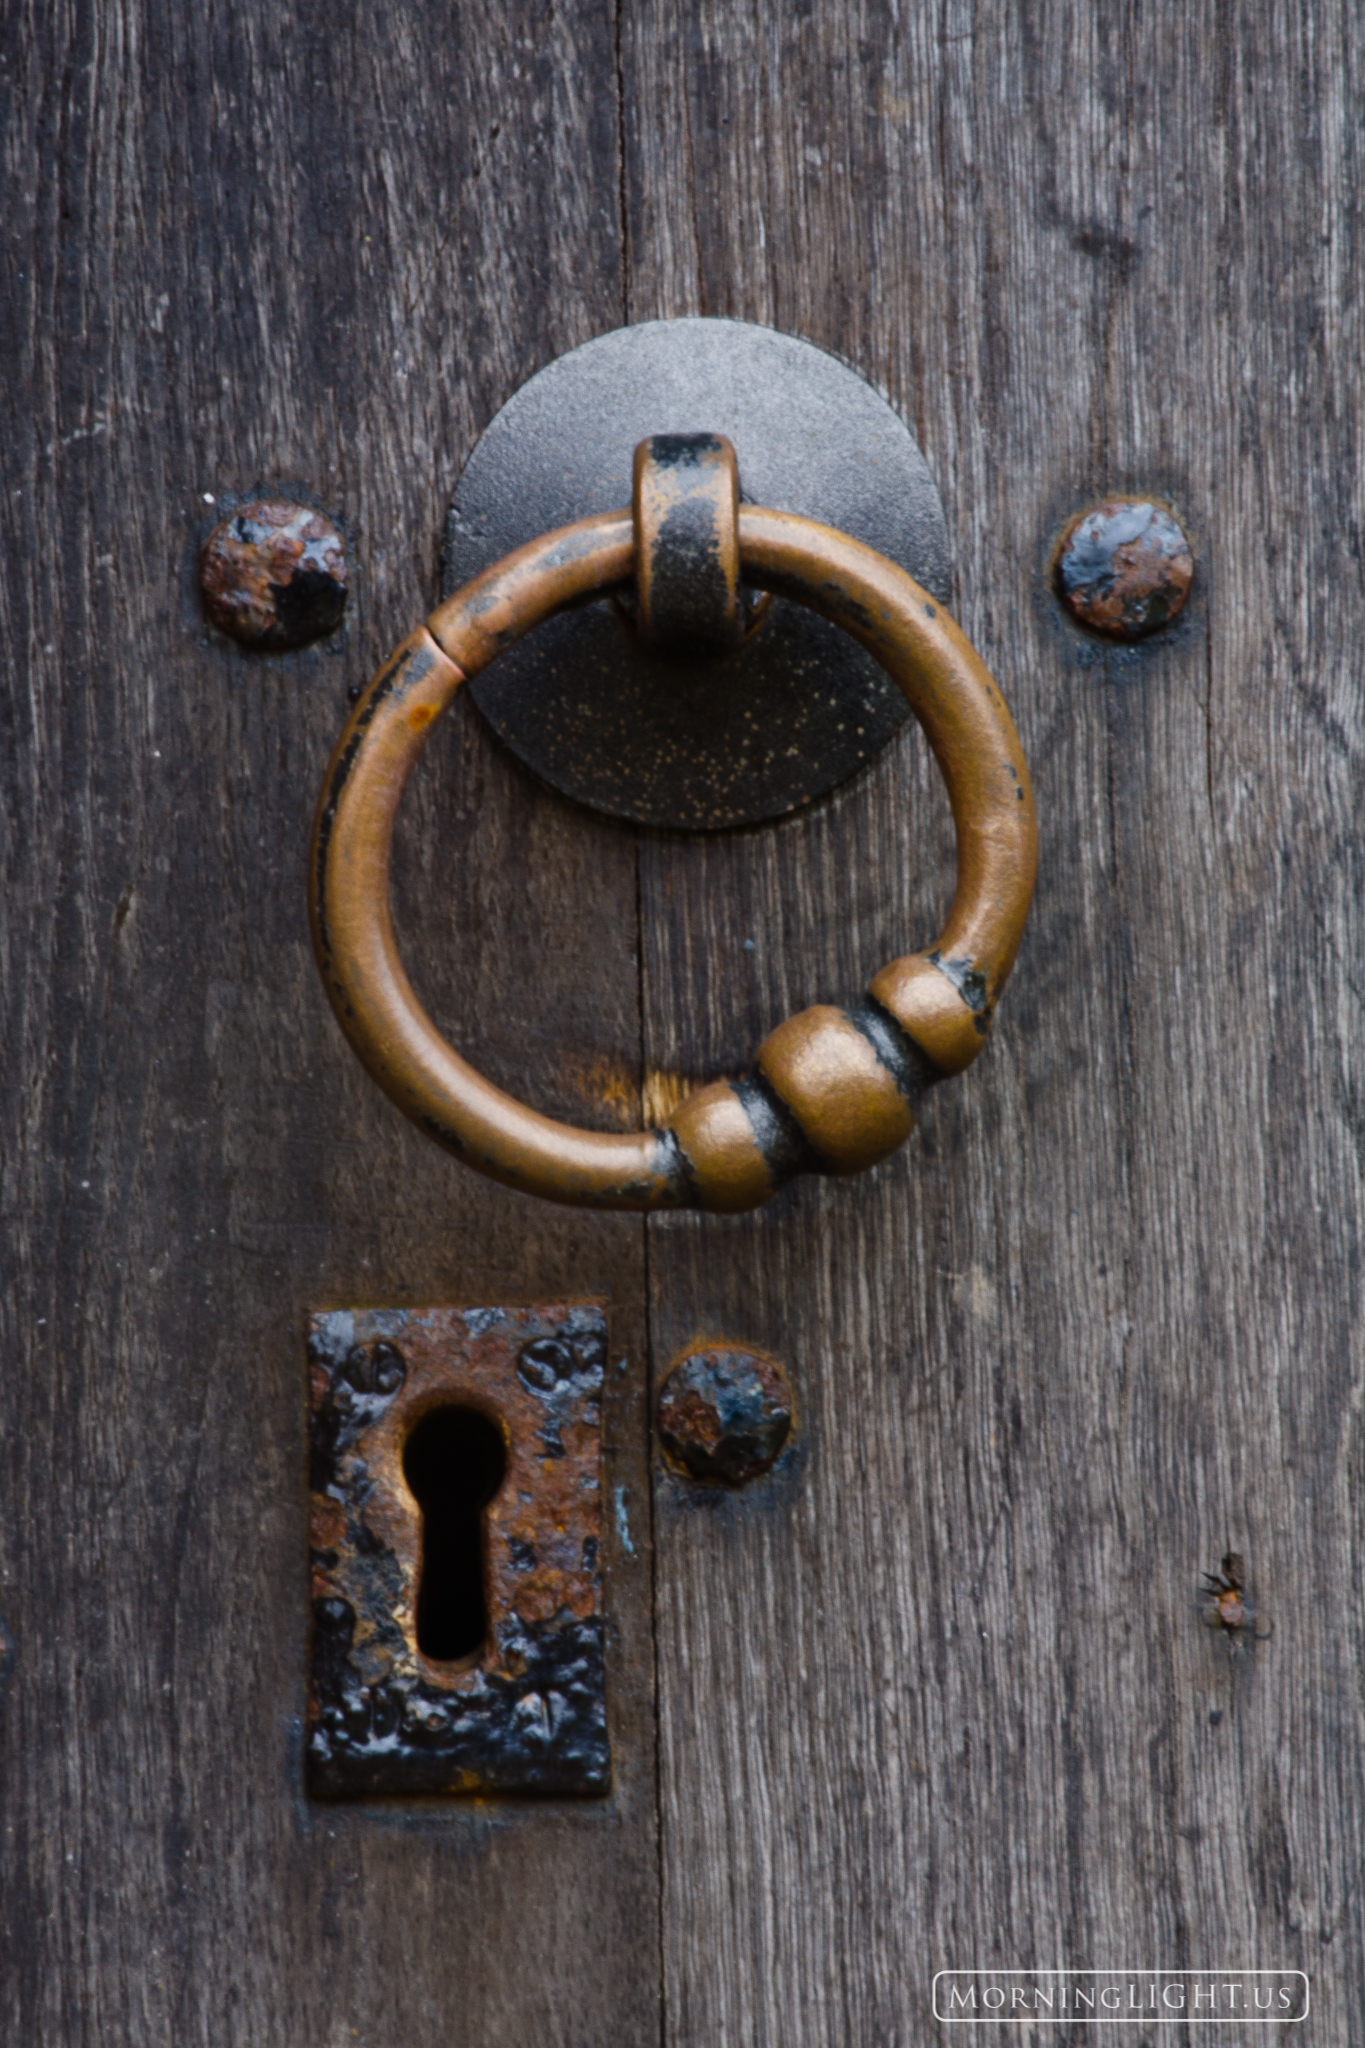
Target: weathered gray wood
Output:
[(252, 245), (940, 1695)]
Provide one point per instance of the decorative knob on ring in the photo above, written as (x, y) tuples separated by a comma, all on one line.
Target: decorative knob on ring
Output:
[(834, 1090)]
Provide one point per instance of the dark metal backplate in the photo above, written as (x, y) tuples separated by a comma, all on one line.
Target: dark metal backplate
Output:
[(800, 707)]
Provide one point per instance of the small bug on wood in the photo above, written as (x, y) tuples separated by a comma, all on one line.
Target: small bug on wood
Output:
[(1229, 1607)]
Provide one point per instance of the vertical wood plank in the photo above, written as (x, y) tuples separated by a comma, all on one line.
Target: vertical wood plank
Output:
[(939, 1693), (283, 244)]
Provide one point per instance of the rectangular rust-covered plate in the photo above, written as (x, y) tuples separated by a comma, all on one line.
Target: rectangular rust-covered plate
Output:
[(528, 1712)]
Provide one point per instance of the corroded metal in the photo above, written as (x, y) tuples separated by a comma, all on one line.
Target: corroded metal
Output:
[(527, 1713), (273, 575), (1125, 567), (835, 1090), (725, 1413)]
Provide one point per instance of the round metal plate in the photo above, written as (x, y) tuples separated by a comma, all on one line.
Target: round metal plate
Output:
[(800, 706)]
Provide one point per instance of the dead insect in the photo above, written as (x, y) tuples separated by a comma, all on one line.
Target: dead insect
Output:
[(1229, 1607), (1227, 1590)]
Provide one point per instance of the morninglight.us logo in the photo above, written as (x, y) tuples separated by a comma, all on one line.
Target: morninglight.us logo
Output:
[(1170, 1998)]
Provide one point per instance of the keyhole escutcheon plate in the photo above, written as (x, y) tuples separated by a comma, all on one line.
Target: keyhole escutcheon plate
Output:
[(525, 1711)]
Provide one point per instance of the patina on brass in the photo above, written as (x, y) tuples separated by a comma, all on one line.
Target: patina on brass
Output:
[(835, 1090), (686, 513)]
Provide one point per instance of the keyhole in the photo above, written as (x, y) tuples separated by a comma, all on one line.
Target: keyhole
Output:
[(454, 1461)]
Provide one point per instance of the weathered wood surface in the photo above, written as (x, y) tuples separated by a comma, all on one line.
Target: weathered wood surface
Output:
[(943, 1698), (938, 1694), (265, 244)]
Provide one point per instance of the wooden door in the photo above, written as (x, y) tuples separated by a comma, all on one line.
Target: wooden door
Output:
[(939, 1693)]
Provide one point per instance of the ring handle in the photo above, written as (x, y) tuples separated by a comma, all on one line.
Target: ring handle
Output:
[(834, 1090)]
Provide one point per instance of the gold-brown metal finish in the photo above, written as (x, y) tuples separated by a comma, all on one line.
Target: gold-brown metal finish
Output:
[(685, 508), (835, 1091), (828, 1074)]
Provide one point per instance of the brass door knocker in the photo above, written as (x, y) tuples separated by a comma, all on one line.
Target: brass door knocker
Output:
[(834, 1090)]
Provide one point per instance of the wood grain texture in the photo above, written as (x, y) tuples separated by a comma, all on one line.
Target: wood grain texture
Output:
[(938, 1694), (274, 245)]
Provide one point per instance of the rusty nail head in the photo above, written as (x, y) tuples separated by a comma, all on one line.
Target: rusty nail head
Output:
[(724, 1413), (1125, 567), (273, 575)]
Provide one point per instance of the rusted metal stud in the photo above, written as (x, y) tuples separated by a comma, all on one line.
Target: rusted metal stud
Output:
[(685, 509), (725, 1413), (274, 575), (1125, 567)]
